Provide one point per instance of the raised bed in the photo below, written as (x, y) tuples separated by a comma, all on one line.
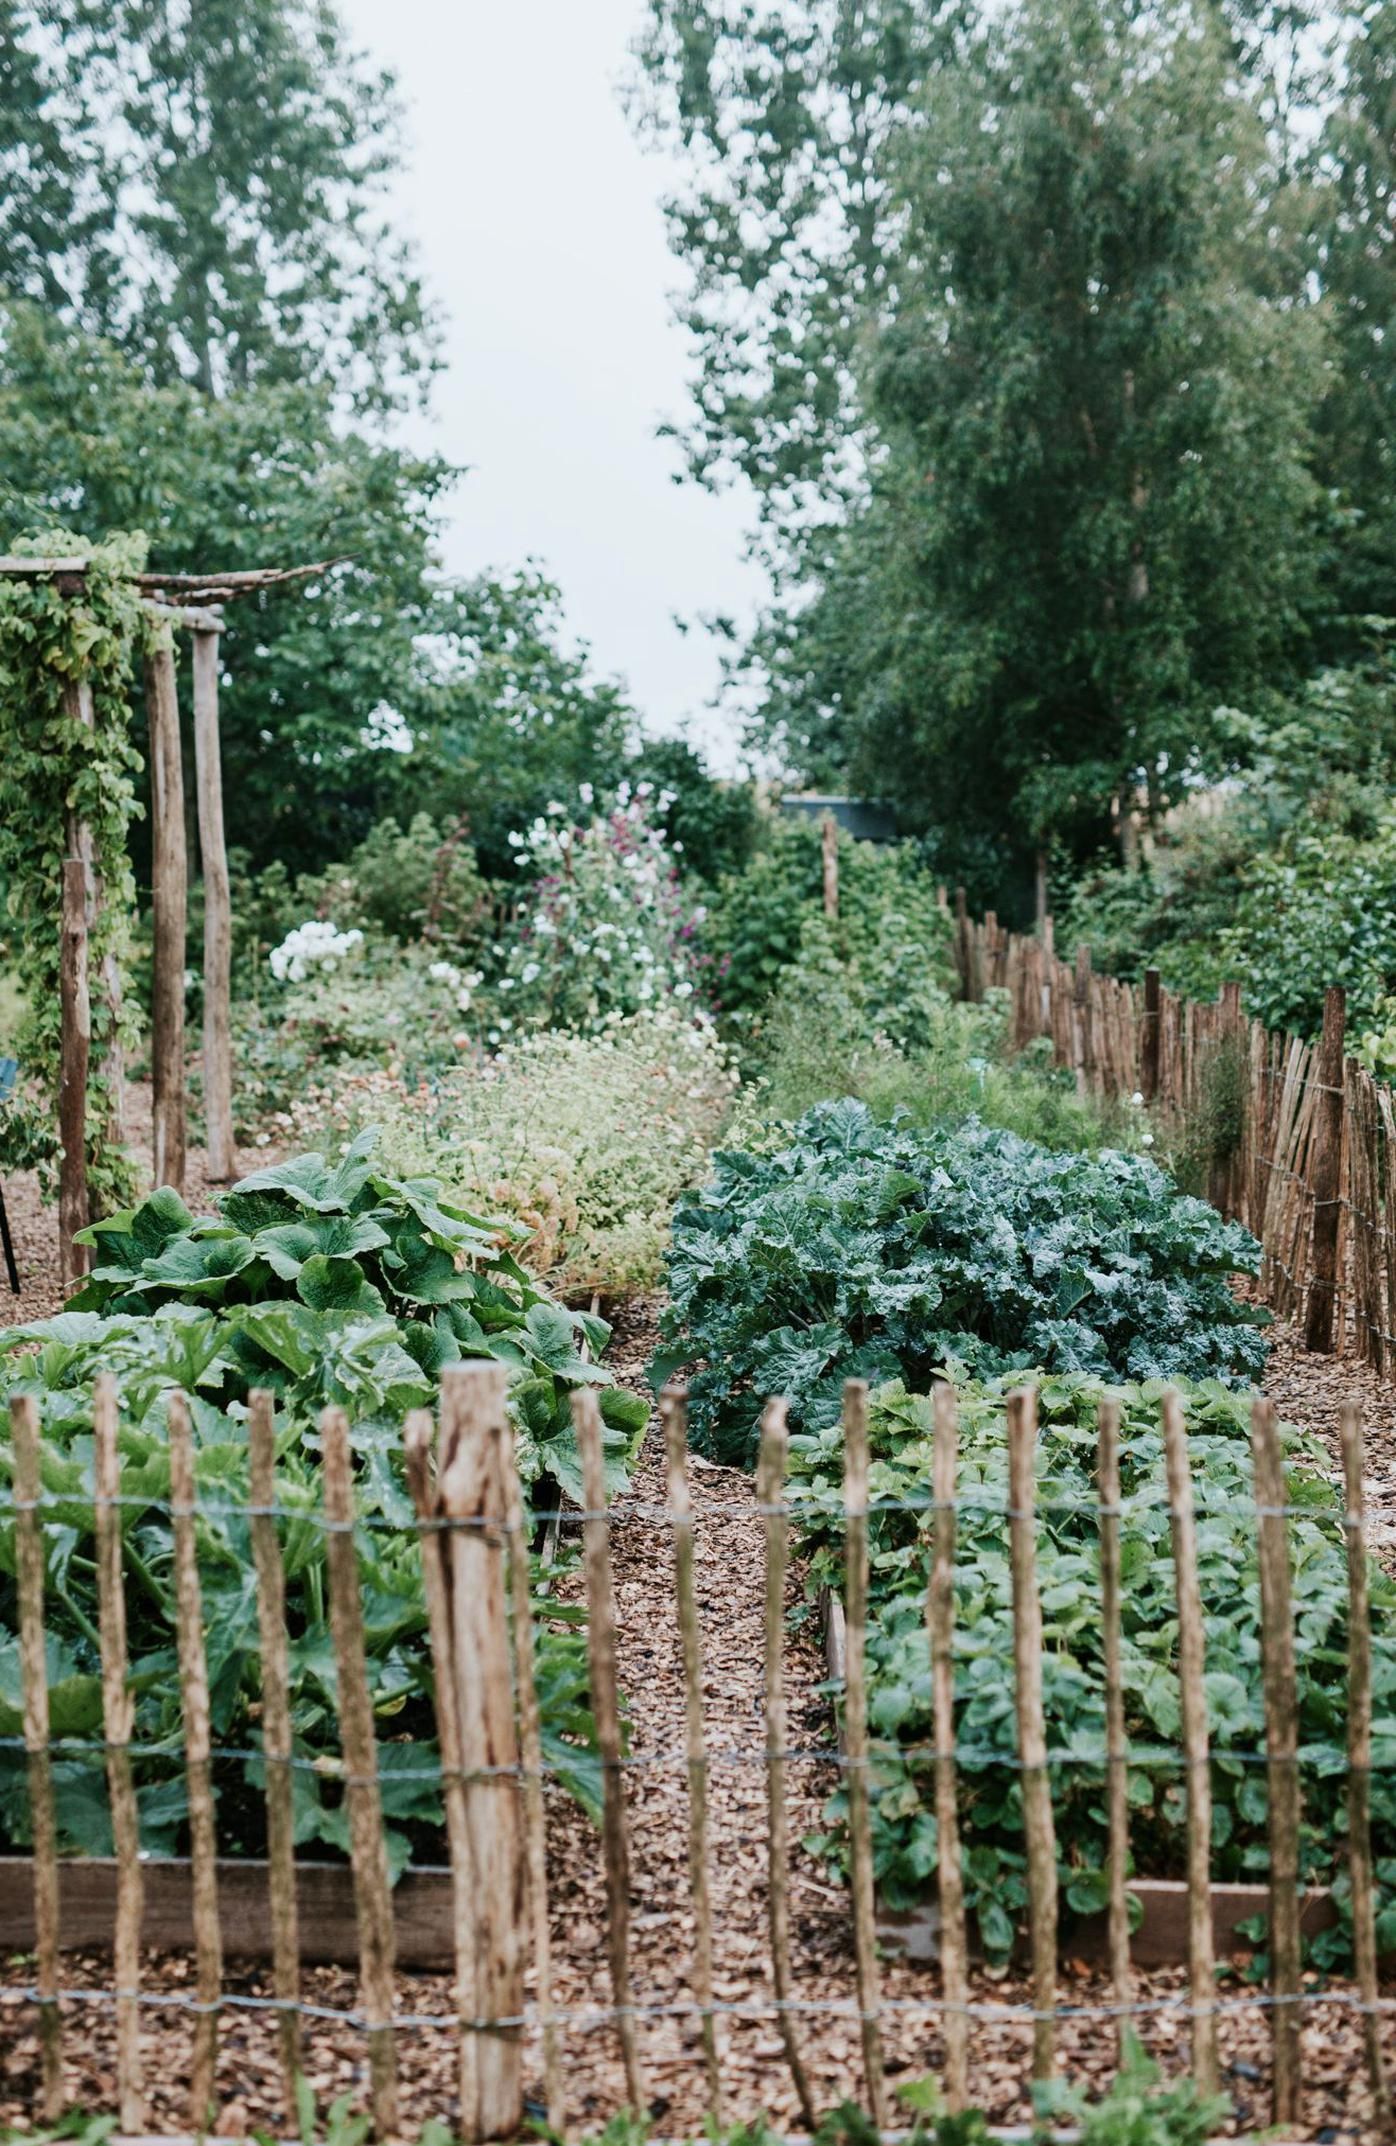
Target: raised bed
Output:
[(1161, 1939)]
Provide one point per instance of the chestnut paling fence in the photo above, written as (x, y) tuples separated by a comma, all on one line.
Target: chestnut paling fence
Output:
[(474, 1535), (1308, 1158)]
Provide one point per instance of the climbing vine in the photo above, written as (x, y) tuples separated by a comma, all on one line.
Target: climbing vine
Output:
[(52, 763)]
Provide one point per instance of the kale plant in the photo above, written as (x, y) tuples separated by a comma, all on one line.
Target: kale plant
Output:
[(875, 1251)]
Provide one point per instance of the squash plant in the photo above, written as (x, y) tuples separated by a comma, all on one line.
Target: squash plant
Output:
[(900, 1714), (327, 1281)]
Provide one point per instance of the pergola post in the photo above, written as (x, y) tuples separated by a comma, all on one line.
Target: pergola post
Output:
[(169, 887), (218, 913)]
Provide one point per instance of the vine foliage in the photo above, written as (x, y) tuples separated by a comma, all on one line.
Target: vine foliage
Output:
[(52, 763)]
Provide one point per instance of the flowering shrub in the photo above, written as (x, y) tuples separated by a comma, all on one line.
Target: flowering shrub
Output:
[(312, 945), (585, 1141), (604, 927)]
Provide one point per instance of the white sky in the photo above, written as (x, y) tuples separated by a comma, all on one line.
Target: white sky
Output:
[(536, 215)]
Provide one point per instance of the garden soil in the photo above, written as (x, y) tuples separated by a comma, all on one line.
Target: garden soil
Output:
[(729, 1577)]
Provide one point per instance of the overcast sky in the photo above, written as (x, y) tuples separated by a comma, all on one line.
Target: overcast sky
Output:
[(536, 215)]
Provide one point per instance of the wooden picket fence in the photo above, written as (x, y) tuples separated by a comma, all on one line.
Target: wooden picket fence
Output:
[(474, 1535), (1311, 1170)]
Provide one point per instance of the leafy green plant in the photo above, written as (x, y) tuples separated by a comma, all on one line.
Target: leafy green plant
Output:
[(890, 930), (27, 1138), (55, 765), (324, 1281), (900, 1708), (886, 1251)]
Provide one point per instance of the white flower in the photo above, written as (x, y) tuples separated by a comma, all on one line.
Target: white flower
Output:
[(312, 945), (529, 971), (462, 1002), (444, 972), (586, 793), (1146, 1140), (1137, 1100), (515, 841)]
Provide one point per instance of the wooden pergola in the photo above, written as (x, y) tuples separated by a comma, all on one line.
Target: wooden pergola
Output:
[(195, 603)]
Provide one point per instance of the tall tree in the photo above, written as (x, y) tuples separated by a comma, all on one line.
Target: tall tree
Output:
[(1354, 258), (376, 688), (228, 160), (780, 116), (1089, 515)]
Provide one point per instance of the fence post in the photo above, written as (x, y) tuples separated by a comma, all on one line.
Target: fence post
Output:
[(855, 1722), (605, 1707), (1192, 1695), (963, 958), (1324, 1176), (29, 1560), (1364, 1929), (829, 837), (1085, 1039), (1151, 1038), (940, 1620), (116, 1727), (1032, 1728), (218, 913), (472, 1498), (276, 1734), (373, 1900), (417, 1436), (770, 1498), (169, 901), (1116, 1744), (1282, 1750), (75, 995), (198, 1761)]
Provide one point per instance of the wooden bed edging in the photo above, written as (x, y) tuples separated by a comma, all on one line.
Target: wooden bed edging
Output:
[(1161, 1939), (422, 1909)]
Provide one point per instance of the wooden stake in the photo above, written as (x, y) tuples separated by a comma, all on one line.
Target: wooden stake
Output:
[(531, 1753), (1116, 1742), (829, 836), (29, 1565), (472, 1499), (770, 1496), (169, 879), (940, 1623), (605, 1707), (276, 1735), (1282, 1749), (1324, 1171), (373, 1900), (74, 1212), (218, 915), (1151, 1036), (417, 1434), (198, 1761), (1039, 1832), (1192, 1698), (1085, 1024), (855, 1735), (673, 1410), (1364, 1923), (116, 1725)]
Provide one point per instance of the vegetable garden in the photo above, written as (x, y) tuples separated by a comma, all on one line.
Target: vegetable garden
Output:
[(890, 1186)]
